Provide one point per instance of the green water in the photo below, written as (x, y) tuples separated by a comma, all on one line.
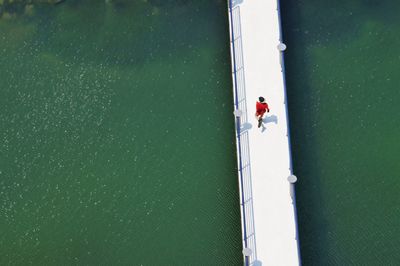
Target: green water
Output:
[(117, 135), (342, 70)]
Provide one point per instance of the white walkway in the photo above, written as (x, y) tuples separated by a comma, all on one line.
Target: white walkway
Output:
[(268, 207)]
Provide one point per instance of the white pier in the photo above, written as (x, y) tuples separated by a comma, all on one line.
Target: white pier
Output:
[(268, 206)]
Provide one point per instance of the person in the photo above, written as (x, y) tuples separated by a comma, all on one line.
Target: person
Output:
[(261, 108)]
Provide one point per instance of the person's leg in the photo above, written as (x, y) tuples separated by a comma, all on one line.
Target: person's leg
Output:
[(259, 118)]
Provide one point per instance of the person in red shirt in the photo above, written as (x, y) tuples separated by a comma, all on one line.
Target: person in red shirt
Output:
[(261, 108)]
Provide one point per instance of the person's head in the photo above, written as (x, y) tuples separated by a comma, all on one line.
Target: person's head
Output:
[(261, 99)]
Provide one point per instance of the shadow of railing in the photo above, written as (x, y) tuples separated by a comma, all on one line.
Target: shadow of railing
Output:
[(242, 127)]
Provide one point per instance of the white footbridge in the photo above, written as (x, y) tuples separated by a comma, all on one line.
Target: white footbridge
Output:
[(266, 181)]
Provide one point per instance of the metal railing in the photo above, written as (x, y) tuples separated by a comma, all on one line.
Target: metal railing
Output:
[(242, 138)]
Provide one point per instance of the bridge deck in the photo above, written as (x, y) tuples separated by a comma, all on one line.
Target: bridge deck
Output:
[(269, 222)]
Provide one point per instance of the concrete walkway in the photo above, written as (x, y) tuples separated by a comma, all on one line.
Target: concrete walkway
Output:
[(269, 223)]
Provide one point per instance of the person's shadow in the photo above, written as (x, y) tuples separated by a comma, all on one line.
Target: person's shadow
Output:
[(268, 119)]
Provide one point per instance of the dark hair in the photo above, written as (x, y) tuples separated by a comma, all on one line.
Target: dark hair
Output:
[(261, 99)]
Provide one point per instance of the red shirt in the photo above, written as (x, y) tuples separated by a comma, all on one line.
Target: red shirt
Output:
[(261, 108)]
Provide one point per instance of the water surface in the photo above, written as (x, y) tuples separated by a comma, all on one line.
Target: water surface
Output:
[(117, 138), (342, 71)]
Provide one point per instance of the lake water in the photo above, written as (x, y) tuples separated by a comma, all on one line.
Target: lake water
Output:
[(117, 140), (342, 71)]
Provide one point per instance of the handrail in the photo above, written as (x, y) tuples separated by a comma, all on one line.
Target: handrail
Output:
[(238, 130), (244, 168)]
